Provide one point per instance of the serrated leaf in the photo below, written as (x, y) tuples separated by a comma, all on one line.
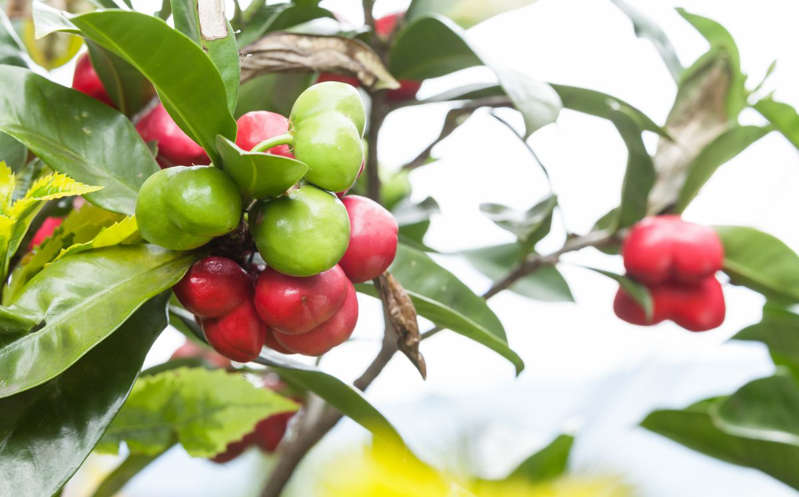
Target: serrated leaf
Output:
[(636, 290), (108, 236), (7, 184), (203, 410), (57, 185)]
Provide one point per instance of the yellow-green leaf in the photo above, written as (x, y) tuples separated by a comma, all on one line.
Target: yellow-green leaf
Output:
[(109, 236)]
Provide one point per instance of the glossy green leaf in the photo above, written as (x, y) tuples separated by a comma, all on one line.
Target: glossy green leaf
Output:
[(636, 290), (779, 330), (56, 425), (783, 116), (76, 135), (694, 428), (442, 298), (760, 261), (257, 174), (275, 92), (203, 410), (529, 226), (466, 13), (115, 234), (80, 300), (546, 464), (639, 177), (187, 81), (12, 152), (186, 18), (726, 146), (11, 47), (126, 86), (497, 261)]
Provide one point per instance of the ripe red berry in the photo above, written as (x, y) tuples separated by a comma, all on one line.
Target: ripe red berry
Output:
[(373, 239), (213, 287), (190, 350), (270, 431), (294, 304), (271, 342), (238, 335), (86, 80), (666, 248), (324, 337), (175, 148), (257, 126), (45, 231), (696, 307)]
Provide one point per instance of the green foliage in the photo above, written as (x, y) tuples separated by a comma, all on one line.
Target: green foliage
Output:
[(56, 424), (782, 116), (639, 177), (126, 86), (778, 330), (258, 174), (529, 226), (11, 47), (636, 290), (201, 409), (547, 463)]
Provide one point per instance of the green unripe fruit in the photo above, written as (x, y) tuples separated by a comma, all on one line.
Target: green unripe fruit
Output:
[(327, 96), (203, 200), (155, 225), (303, 233), (331, 146)]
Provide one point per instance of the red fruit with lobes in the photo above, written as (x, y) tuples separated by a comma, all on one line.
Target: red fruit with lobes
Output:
[(238, 335), (373, 239), (271, 342), (213, 287), (257, 126), (324, 337), (294, 304), (175, 148), (666, 248), (86, 80), (696, 307)]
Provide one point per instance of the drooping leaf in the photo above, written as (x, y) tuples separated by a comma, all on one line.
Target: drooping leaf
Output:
[(639, 177), (126, 86), (497, 261), (56, 424), (636, 290), (536, 100), (779, 330), (80, 300), (77, 136), (529, 226), (782, 116), (51, 51), (466, 13), (203, 410), (760, 261)]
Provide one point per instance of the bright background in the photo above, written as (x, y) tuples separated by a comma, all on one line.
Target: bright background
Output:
[(587, 372)]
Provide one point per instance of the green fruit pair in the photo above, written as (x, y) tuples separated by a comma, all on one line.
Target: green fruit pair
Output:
[(302, 233), (182, 208), (327, 122)]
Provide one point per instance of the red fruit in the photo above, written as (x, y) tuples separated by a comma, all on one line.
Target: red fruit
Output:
[(175, 148), (45, 231), (213, 287), (86, 80), (271, 342), (696, 307), (190, 350), (269, 432), (294, 304), (332, 332), (666, 248), (373, 239), (385, 25), (257, 126), (238, 335), (235, 449)]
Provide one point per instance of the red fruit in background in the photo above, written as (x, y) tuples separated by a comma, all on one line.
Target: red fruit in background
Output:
[(271, 342), (332, 332), (213, 287), (666, 248), (696, 307), (385, 25), (373, 239), (270, 431), (294, 304), (175, 148), (190, 350), (45, 230), (238, 335), (342, 78), (86, 80), (257, 126)]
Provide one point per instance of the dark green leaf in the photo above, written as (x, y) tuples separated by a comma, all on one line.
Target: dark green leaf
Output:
[(639, 176), (56, 425), (80, 300), (782, 116), (464, 12), (726, 146), (224, 52), (186, 19), (546, 464), (125, 85), (634, 289), (529, 226), (760, 261), (779, 330), (12, 152), (76, 135), (258, 174), (11, 47), (497, 261), (694, 428)]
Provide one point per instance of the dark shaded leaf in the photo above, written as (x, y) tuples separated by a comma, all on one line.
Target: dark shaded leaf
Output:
[(125, 85), (639, 176), (634, 289)]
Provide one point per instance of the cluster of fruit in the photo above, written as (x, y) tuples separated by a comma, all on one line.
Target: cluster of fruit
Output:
[(677, 261)]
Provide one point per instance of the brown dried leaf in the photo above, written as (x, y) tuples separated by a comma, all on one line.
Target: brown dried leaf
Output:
[(282, 52), (402, 318)]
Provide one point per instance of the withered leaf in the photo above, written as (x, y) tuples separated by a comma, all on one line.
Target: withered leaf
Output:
[(402, 318)]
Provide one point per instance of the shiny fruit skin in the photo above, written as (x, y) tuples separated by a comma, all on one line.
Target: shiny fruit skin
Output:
[(295, 305), (86, 80), (327, 335), (302, 233), (155, 225), (203, 200), (175, 148), (329, 96), (191, 350), (45, 231), (666, 248), (331, 146), (213, 287), (259, 125), (271, 342), (238, 335), (373, 239)]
